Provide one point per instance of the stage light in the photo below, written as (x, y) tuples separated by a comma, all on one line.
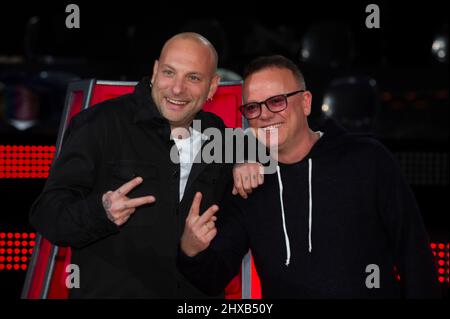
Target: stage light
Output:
[(23, 161), (16, 256)]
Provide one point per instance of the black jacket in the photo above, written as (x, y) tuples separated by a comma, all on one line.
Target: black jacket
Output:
[(104, 147), (352, 212)]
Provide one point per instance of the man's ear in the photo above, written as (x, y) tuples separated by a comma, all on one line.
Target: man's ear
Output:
[(213, 86), (307, 100), (155, 71)]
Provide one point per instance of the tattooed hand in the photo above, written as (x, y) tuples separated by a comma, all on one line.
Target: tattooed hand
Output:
[(246, 177), (119, 207)]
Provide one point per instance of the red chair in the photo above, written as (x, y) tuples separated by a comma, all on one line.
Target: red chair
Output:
[(46, 273)]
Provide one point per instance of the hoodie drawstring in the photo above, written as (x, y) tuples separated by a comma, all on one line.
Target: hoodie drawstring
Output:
[(286, 237), (310, 203)]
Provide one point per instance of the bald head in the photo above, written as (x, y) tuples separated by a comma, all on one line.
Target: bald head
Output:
[(195, 38), (184, 77)]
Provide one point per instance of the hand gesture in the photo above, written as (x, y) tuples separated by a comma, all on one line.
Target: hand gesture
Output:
[(119, 207), (198, 230)]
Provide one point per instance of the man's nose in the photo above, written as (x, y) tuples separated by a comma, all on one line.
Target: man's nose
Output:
[(178, 86), (265, 113)]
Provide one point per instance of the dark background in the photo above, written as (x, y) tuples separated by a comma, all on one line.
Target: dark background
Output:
[(408, 107)]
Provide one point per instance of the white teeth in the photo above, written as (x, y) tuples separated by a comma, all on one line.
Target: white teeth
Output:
[(176, 102), (271, 127)]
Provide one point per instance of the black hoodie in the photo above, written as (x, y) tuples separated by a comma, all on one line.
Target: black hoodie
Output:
[(345, 216)]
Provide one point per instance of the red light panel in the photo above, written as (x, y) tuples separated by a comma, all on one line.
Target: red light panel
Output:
[(15, 256), (25, 161)]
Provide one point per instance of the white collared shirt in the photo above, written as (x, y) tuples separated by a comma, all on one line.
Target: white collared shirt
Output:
[(188, 149)]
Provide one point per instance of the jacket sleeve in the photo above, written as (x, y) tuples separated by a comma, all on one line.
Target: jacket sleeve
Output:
[(403, 221), (68, 212), (212, 269)]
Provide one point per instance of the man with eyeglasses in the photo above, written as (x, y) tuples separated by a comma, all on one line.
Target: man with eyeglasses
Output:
[(337, 220)]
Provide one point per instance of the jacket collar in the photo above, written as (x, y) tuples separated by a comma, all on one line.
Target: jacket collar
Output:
[(146, 110)]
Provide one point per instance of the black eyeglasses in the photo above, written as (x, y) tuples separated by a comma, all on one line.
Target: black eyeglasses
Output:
[(274, 104)]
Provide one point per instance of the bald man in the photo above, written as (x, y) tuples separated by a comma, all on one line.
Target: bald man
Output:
[(115, 196)]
